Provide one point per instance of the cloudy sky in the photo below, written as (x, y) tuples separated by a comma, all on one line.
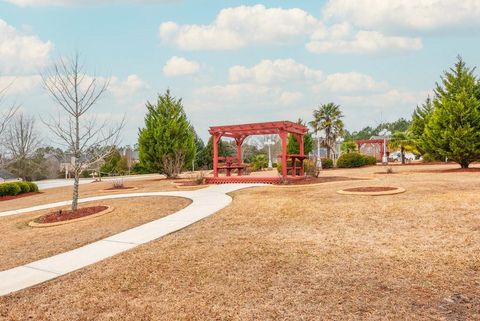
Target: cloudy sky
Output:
[(241, 61)]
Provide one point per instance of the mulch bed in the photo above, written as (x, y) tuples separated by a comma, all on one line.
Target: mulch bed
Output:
[(453, 170), (119, 188), (66, 215), (8, 198), (186, 183), (370, 189), (324, 179)]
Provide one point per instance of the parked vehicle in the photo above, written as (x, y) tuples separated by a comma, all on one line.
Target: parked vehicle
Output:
[(397, 156)]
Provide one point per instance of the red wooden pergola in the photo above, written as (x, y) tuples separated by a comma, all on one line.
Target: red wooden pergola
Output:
[(372, 147), (240, 132)]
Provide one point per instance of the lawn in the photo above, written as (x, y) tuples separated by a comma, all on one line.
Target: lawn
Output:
[(21, 244), (294, 253)]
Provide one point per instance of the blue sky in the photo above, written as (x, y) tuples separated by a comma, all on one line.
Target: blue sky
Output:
[(241, 61)]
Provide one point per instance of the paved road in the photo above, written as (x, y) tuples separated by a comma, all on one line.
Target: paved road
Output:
[(52, 183)]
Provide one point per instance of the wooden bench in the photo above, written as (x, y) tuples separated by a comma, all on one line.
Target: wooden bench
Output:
[(229, 165)]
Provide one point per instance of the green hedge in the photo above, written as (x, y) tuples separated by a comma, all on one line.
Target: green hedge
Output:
[(370, 160), (24, 187), (351, 160), (33, 187), (327, 163), (15, 188)]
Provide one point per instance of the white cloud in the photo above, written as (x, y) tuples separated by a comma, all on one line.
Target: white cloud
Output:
[(21, 53), (273, 71), (127, 88), (340, 38), (20, 84), (409, 14), (350, 82), (389, 98), (296, 75), (246, 95), (178, 66), (238, 27)]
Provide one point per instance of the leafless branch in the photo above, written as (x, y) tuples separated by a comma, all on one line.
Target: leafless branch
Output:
[(76, 93)]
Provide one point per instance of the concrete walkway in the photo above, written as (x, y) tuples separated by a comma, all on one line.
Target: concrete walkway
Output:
[(205, 202)]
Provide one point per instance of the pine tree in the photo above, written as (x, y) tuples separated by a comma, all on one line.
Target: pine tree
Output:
[(167, 142), (453, 130)]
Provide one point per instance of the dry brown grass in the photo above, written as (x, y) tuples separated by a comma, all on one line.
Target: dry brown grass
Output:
[(299, 253), (92, 189), (21, 244)]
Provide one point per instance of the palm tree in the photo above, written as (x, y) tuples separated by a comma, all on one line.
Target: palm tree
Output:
[(403, 141), (328, 118)]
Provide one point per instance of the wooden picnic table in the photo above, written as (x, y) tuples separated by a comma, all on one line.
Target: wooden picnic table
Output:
[(293, 158), (230, 165)]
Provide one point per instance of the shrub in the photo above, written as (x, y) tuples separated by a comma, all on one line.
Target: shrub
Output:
[(309, 167), (427, 158), (118, 183), (370, 160), (24, 187), (200, 178), (351, 160), (85, 174), (9, 189), (327, 163), (32, 186), (260, 162)]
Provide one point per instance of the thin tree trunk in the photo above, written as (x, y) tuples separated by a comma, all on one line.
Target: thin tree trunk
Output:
[(402, 153), (75, 191), (464, 164)]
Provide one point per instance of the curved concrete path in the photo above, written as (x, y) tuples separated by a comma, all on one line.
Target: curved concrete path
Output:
[(205, 202)]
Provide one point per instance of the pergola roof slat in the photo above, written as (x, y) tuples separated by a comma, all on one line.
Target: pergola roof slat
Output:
[(259, 129)]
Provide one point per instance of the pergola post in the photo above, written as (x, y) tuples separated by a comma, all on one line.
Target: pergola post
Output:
[(239, 142), (301, 145), (283, 137), (215, 140)]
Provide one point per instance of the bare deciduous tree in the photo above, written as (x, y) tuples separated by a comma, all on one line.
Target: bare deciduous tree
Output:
[(6, 114), (22, 140), (76, 93)]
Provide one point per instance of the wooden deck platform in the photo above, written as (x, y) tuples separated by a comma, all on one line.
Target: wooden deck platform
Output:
[(250, 179)]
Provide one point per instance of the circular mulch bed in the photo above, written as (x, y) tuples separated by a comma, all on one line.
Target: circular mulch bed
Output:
[(186, 183), (455, 170), (372, 190), (120, 189), (318, 180), (61, 217)]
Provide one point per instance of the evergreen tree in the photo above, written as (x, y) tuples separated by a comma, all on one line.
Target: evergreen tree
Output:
[(292, 144), (110, 162), (223, 151), (453, 130), (200, 153), (167, 142), (419, 119)]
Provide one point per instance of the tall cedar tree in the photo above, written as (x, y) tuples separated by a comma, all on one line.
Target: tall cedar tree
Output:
[(420, 118), (167, 143), (453, 130)]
